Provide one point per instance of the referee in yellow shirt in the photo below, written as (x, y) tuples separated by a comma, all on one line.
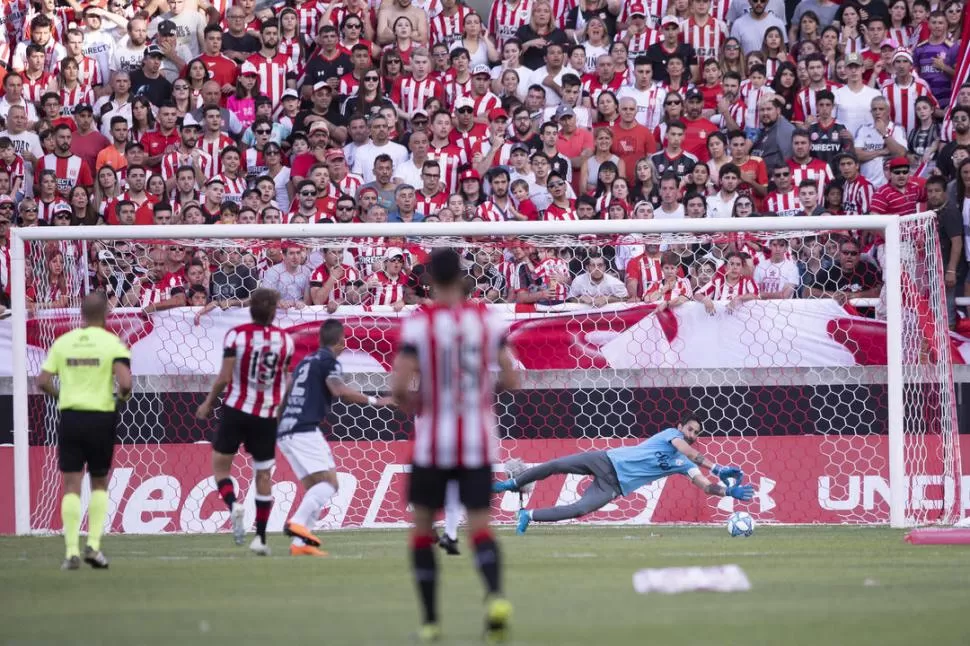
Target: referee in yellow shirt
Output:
[(87, 360)]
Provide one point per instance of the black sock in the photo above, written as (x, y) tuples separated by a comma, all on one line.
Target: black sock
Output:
[(264, 504), (488, 560), (227, 491), (425, 574)]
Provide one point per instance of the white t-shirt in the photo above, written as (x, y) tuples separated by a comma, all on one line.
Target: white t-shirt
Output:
[(718, 207), (189, 26), (126, 58), (24, 103), (583, 285), (660, 214), (868, 139), (538, 76), (854, 109), (365, 155), (649, 103), (100, 46), (409, 173), (773, 277)]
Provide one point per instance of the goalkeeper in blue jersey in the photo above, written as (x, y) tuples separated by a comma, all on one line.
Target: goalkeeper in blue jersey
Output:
[(620, 472)]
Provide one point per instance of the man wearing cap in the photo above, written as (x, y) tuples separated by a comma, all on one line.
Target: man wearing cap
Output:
[(88, 142), (659, 53), (148, 81), (750, 28), (697, 127), (877, 142), (187, 153), (483, 100), (903, 91), (175, 53), (902, 195), (70, 169), (130, 52), (389, 286), (935, 59), (639, 35), (186, 24), (468, 132), (323, 109), (853, 101), (340, 174)]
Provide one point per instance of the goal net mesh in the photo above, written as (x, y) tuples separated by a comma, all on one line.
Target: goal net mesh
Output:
[(793, 390)]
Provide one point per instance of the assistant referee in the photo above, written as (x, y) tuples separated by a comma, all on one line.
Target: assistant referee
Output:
[(87, 360)]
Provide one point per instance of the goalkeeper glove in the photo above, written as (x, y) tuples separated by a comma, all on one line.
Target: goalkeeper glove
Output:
[(727, 474), (741, 492)]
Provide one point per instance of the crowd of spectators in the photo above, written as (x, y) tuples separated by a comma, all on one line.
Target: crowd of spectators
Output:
[(237, 111)]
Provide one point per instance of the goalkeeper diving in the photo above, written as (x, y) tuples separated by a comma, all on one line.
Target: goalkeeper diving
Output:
[(620, 472)]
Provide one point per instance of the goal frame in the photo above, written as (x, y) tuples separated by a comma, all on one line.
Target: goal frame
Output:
[(887, 226)]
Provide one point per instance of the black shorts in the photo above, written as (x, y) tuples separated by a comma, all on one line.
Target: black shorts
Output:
[(86, 438), (257, 433), (428, 484)]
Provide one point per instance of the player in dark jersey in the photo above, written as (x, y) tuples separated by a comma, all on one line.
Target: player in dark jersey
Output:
[(254, 361), (448, 349), (829, 138), (317, 380)]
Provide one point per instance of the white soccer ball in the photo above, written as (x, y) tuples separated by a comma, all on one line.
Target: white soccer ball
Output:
[(740, 523)]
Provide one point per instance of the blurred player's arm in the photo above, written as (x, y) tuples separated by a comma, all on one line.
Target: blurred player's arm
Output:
[(337, 388), (225, 376), (405, 372), (286, 398), (508, 376), (45, 381)]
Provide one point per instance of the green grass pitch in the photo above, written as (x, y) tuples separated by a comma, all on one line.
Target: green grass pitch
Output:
[(569, 585)]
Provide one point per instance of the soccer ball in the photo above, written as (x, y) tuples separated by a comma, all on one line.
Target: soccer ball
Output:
[(740, 523)]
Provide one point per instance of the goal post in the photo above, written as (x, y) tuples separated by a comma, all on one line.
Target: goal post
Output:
[(908, 386)]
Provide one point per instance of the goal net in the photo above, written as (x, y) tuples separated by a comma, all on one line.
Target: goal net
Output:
[(615, 338)]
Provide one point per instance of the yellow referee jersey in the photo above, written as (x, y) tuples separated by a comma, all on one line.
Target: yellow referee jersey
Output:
[(84, 360)]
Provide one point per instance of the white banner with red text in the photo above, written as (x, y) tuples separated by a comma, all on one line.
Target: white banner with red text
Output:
[(169, 488), (760, 334)]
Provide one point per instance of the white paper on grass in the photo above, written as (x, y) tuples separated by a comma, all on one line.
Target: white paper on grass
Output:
[(674, 580)]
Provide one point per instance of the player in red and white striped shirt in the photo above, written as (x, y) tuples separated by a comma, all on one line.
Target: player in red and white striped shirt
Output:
[(448, 349), (903, 91), (703, 32), (214, 141), (505, 17), (643, 271), (447, 26), (410, 92), (255, 359), (275, 70), (731, 286), (389, 286), (322, 288), (803, 166), (856, 190)]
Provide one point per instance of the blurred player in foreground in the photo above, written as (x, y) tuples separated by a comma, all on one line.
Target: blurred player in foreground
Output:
[(87, 361), (254, 361), (448, 349), (317, 380), (620, 472)]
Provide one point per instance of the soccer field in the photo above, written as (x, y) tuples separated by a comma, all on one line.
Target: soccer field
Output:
[(569, 585)]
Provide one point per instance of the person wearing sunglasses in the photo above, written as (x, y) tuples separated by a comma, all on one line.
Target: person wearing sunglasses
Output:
[(849, 277), (902, 195)]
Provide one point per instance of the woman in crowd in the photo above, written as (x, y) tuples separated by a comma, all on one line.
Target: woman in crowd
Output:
[(106, 188), (196, 74), (645, 185), (481, 49), (73, 92), (142, 119), (82, 207), (538, 33), (602, 153)]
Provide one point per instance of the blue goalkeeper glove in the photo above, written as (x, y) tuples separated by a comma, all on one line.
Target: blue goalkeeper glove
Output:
[(741, 492), (728, 475)]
